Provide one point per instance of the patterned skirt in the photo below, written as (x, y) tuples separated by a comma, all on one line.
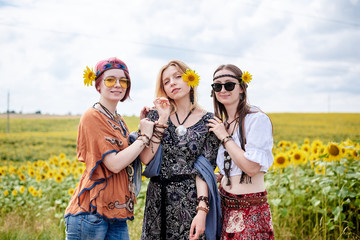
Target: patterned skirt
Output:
[(245, 216), (170, 208)]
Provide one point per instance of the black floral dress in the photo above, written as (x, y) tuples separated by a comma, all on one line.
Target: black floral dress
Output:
[(171, 197)]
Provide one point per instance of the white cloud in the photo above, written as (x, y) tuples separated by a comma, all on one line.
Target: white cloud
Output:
[(301, 53)]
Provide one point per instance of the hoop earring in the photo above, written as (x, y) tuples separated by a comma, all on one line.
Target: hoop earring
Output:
[(192, 96)]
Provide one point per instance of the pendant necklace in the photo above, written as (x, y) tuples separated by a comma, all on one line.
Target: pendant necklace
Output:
[(227, 125), (181, 130)]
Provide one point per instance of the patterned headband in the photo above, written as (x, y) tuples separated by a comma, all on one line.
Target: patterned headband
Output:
[(225, 75), (111, 65)]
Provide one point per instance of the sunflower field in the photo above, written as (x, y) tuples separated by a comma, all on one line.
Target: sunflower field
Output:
[(313, 186)]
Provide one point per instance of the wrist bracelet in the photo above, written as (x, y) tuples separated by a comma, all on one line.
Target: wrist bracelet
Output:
[(206, 210), (159, 125), (226, 139), (205, 199), (146, 141)]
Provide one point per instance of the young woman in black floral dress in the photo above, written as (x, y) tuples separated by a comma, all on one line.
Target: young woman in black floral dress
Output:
[(177, 201)]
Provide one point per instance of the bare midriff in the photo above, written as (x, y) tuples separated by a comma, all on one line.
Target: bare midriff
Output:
[(257, 184)]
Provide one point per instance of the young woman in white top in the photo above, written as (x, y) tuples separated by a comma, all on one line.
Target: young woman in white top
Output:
[(244, 156)]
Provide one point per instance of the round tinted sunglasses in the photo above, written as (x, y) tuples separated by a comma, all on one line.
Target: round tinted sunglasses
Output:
[(111, 81), (229, 86)]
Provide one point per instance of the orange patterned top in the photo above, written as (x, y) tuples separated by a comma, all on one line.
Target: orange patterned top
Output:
[(100, 190)]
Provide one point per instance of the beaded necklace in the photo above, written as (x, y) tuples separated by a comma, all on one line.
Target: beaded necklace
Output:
[(115, 117), (227, 158)]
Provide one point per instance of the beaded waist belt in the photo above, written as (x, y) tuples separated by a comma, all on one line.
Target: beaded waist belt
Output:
[(236, 203)]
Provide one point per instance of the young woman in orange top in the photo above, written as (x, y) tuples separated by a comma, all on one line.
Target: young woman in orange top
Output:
[(105, 197)]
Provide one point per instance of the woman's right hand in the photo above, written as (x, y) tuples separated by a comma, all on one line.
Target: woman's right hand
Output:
[(144, 112), (146, 127), (217, 126)]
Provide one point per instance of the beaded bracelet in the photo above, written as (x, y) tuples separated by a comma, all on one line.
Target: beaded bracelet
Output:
[(206, 210), (146, 141), (205, 199), (159, 125), (226, 139)]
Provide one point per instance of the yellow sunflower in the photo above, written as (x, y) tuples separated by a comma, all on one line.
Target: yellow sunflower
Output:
[(22, 189), (280, 160), (316, 143), (294, 146), (35, 193), (89, 76), (58, 178), (31, 172), (306, 148), (355, 154), (14, 192), (320, 169), (191, 77), (334, 152), (31, 189), (298, 157), (246, 77), (71, 191), (22, 177)]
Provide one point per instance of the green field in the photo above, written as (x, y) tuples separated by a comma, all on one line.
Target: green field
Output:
[(305, 203)]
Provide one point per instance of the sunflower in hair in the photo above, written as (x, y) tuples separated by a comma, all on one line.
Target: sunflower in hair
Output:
[(89, 76), (191, 77), (246, 77)]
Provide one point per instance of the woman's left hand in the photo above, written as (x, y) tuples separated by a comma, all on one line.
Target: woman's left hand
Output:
[(217, 126), (198, 225), (162, 106)]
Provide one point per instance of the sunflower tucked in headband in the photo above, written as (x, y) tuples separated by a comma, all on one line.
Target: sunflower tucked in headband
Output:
[(246, 77), (191, 77), (89, 76)]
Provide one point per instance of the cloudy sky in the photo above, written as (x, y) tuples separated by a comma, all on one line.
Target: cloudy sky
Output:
[(304, 55)]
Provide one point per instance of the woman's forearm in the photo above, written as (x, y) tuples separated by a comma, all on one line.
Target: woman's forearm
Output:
[(115, 162)]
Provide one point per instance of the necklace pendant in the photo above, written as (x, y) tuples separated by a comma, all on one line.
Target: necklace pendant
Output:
[(117, 118), (180, 130)]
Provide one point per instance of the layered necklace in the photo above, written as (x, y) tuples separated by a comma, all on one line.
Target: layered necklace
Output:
[(181, 130), (115, 117), (227, 158)]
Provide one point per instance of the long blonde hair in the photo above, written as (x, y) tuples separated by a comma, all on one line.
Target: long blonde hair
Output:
[(159, 89)]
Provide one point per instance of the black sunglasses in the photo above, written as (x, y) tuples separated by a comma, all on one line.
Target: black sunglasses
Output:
[(229, 86)]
